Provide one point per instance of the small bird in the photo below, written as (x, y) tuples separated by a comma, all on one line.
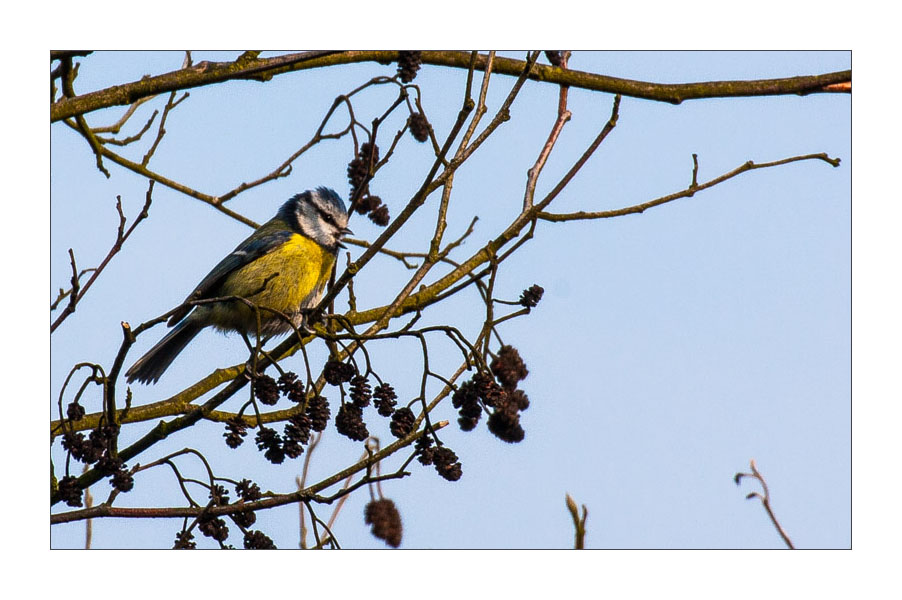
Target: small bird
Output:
[(283, 265)]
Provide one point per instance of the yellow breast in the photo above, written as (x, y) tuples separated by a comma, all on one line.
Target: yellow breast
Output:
[(288, 279)]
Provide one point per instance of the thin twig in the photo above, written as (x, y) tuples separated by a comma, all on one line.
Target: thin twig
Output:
[(563, 115), (579, 523), (78, 292), (686, 193), (89, 523), (765, 500)]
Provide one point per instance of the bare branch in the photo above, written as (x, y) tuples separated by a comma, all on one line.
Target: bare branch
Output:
[(688, 192), (206, 73), (78, 292), (579, 523), (563, 115), (765, 500)]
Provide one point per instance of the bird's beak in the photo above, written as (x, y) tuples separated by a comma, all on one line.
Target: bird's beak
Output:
[(344, 232)]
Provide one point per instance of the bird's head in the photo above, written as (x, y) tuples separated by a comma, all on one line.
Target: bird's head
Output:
[(318, 214)]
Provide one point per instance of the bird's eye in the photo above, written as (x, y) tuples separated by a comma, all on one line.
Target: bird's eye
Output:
[(328, 219)]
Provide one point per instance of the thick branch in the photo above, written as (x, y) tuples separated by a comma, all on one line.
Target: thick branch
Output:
[(206, 73)]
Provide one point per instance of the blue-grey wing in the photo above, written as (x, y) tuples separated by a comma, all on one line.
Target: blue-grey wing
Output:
[(247, 252)]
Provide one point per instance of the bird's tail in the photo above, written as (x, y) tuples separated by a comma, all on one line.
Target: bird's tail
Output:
[(151, 366)]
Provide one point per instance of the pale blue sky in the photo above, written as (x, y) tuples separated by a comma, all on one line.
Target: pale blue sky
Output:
[(670, 347)]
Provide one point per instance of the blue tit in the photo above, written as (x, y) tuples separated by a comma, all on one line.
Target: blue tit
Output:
[(284, 265)]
